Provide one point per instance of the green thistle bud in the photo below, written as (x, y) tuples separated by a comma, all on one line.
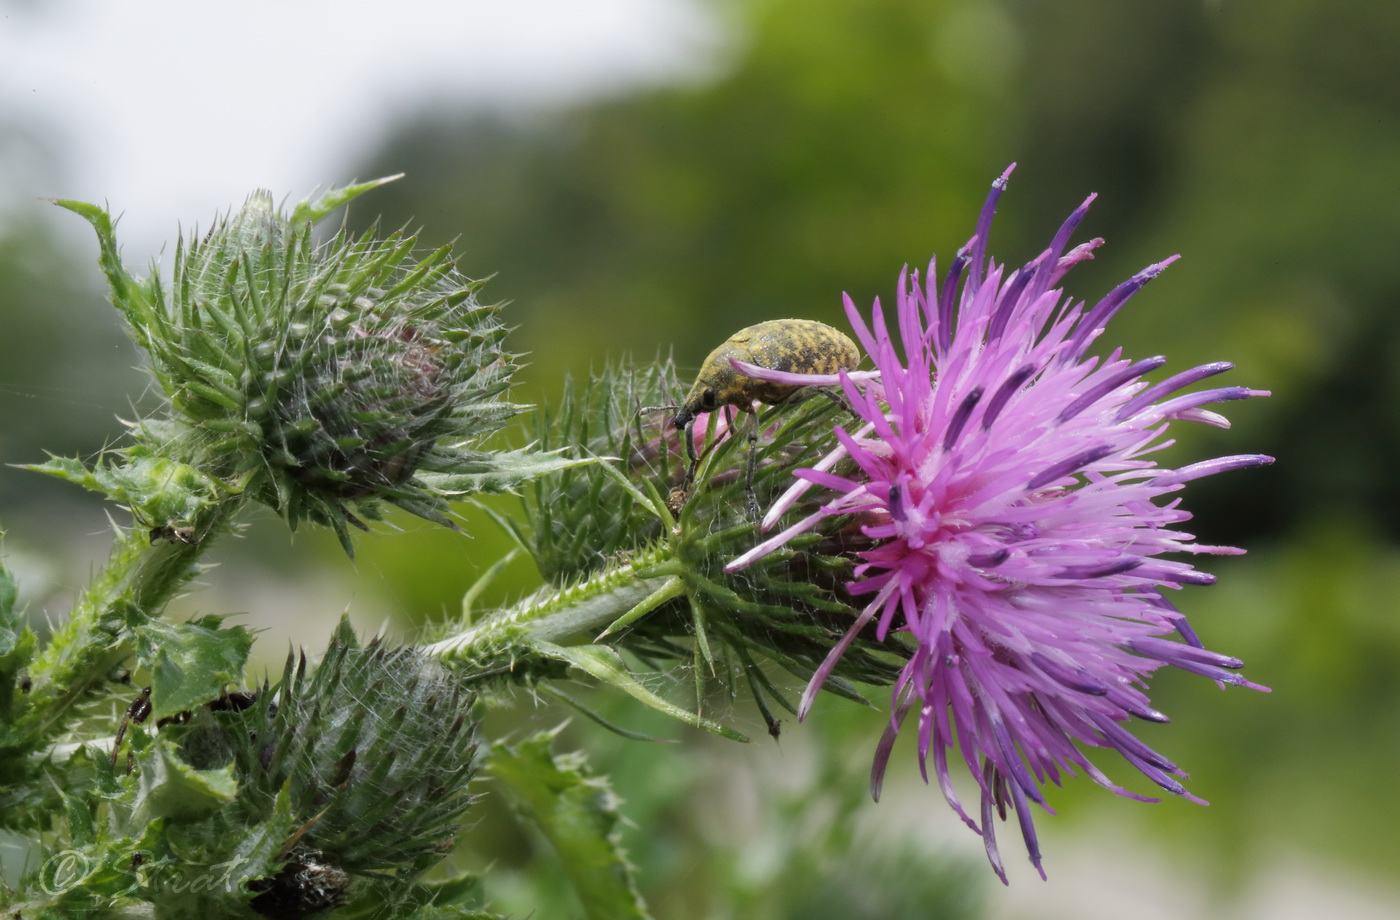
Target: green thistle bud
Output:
[(583, 520), (376, 746), (351, 778), (320, 379), (341, 784)]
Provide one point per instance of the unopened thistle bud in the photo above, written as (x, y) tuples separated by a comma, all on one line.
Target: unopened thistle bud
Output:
[(320, 379), (366, 759)]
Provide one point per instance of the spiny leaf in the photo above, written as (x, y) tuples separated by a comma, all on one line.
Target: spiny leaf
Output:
[(190, 663), (606, 665), (309, 213), (501, 472), (579, 814)]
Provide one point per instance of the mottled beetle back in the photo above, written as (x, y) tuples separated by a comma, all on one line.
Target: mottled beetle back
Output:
[(800, 346)]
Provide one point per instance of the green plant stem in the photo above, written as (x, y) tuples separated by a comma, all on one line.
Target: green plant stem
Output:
[(140, 579), (569, 615)]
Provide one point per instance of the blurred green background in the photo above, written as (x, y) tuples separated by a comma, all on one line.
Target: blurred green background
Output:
[(832, 142)]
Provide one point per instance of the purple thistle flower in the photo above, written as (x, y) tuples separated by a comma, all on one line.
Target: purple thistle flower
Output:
[(1020, 523)]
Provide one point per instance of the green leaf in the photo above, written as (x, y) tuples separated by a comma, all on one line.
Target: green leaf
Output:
[(561, 696), (502, 472), (309, 213), (128, 294), (9, 591), (579, 814), (606, 665), (190, 663), (258, 853), (648, 499), (671, 588), (167, 787), (71, 470), (165, 496)]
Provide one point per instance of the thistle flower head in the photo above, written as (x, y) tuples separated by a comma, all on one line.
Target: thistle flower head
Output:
[(322, 379), (1021, 528)]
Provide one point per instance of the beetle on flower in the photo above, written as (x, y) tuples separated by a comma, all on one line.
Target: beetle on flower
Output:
[(1020, 524), (793, 345)]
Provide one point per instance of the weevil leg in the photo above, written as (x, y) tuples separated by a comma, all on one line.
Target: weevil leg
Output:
[(681, 494), (688, 435), (752, 426), (835, 395), (139, 711)]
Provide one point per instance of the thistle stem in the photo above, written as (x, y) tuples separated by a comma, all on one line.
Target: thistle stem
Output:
[(142, 576), (565, 615)]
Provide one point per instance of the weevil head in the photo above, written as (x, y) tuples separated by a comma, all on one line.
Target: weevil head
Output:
[(719, 384), (704, 396)]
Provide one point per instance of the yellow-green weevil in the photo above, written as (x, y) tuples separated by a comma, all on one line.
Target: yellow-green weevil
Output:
[(796, 346)]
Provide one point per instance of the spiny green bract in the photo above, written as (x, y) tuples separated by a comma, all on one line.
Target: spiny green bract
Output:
[(318, 378), (582, 520)]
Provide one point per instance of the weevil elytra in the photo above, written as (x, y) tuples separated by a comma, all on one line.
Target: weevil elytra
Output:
[(799, 346)]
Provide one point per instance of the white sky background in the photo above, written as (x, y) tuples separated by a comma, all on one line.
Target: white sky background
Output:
[(172, 111)]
